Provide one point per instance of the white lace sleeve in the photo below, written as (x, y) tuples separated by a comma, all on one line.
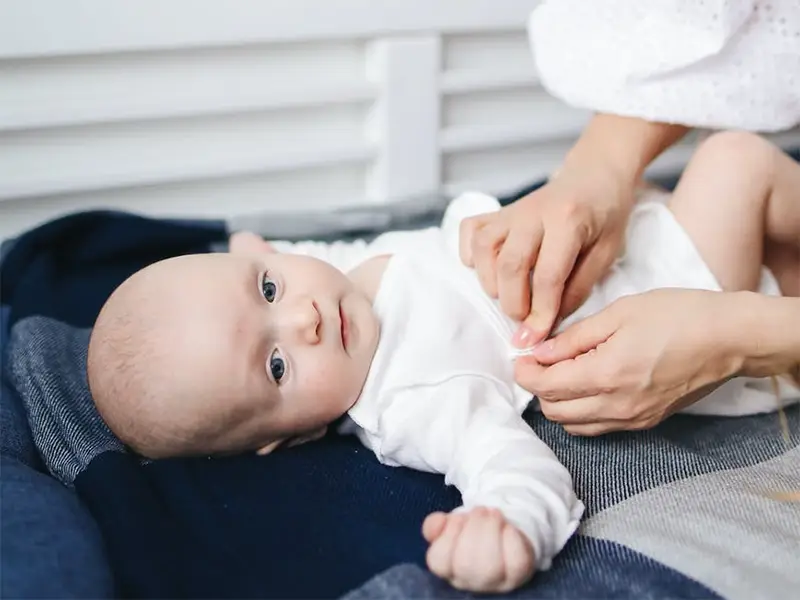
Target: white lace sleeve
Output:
[(466, 429), (718, 64)]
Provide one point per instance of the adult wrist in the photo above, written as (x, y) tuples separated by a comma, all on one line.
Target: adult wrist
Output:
[(765, 331), (622, 146)]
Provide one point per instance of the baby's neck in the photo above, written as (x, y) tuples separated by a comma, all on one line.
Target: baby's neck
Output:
[(367, 276)]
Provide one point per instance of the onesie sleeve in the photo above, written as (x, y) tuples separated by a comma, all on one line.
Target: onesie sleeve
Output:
[(467, 429), (730, 64)]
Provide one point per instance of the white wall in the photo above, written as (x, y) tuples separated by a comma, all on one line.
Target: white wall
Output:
[(222, 107)]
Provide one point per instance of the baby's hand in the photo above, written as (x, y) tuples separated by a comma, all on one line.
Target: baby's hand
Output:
[(246, 243), (478, 551)]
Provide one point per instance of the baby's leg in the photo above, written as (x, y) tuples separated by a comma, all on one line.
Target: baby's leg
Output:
[(739, 201)]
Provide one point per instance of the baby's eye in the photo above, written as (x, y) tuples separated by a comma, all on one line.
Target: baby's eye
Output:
[(277, 366), (268, 288)]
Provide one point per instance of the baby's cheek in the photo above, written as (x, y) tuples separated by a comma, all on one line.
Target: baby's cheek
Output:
[(330, 382)]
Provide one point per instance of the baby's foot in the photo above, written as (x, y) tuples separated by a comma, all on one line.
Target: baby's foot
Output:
[(246, 242)]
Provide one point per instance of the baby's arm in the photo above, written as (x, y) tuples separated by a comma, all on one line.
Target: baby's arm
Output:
[(345, 256), (519, 507)]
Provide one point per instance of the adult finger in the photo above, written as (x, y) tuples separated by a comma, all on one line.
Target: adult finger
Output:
[(579, 338), (569, 379), (579, 411), (527, 372), (514, 264), (602, 408), (595, 429), (466, 234), (486, 243), (557, 256), (589, 269)]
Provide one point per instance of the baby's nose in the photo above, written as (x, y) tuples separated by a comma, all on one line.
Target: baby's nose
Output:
[(304, 320)]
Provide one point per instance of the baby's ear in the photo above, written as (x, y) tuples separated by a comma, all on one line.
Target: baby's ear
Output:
[(293, 441), (308, 437)]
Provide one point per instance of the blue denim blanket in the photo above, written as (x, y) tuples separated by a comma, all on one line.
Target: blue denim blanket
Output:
[(682, 511)]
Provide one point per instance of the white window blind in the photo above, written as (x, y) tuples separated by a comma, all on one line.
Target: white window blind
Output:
[(210, 108)]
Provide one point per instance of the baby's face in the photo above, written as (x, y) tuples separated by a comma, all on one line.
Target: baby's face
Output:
[(287, 338)]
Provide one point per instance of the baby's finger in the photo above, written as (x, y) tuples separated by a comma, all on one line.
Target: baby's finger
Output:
[(440, 554), (433, 526), (518, 558), (477, 563)]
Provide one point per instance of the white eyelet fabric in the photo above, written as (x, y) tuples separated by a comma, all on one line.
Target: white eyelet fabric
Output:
[(717, 64)]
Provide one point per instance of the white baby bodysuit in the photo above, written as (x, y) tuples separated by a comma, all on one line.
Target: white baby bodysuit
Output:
[(440, 395)]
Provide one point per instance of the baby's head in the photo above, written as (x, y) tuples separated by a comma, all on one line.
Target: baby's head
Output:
[(224, 353)]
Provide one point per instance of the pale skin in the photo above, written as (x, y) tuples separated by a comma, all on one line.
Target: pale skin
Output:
[(636, 361), (478, 550)]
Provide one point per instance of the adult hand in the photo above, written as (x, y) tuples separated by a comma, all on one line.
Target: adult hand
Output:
[(478, 551), (567, 233), (637, 361)]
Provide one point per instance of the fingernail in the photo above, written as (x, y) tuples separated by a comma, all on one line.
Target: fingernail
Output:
[(524, 337), (544, 349)]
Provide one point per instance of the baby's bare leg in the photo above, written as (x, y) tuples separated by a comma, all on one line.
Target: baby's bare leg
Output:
[(739, 201)]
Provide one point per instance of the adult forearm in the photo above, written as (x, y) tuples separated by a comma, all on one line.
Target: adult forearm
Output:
[(625, 144), (768, 336)]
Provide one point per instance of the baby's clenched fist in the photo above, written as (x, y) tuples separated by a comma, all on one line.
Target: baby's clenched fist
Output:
[(478, 551)]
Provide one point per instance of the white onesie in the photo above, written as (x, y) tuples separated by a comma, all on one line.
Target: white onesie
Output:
[(440, 395)]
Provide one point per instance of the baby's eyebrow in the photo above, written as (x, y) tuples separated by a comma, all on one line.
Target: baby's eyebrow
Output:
[(254, 275)]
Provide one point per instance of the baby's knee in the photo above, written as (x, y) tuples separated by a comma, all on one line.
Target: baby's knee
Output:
[(740, 151)]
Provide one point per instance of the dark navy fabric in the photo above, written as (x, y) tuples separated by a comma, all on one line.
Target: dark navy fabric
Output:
[(313, 521), (50, 547), (66, 268)]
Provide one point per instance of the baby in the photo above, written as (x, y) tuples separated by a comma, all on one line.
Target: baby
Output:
[(268, 344)]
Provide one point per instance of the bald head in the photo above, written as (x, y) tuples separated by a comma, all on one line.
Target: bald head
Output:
[(154, 366)]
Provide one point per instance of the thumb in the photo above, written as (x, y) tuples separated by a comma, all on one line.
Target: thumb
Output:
[(433, 526), (577, 339)]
